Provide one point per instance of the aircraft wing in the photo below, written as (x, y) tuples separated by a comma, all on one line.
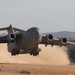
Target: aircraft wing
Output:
[(70, 43), (3, 39), (7, 38), (11, 36), (49, 40)]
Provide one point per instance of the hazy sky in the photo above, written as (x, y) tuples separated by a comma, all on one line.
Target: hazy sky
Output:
[(47, 15)]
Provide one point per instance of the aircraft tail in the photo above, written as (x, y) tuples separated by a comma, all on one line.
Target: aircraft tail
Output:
[(10, 29)]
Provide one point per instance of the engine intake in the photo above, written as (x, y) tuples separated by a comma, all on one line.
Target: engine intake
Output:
[(64, 40), (50, 37), (12, 36)]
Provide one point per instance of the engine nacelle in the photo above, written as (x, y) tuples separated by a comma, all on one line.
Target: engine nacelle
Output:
[(64, 40), (49, 37), (11, 37)]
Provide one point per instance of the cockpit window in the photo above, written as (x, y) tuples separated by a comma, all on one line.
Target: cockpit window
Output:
[(35, 28), (36, 32)]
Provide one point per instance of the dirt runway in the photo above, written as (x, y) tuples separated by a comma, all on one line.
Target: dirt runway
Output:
[(50, 61), (49, 55), (27, 69)]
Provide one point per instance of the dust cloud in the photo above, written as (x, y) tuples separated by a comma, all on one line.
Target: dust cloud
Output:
[(49, 55)]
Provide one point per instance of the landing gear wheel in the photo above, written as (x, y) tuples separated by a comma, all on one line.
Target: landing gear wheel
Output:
[(14, 52), (34, 53)]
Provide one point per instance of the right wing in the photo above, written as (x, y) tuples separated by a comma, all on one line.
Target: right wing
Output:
[(49, 40)]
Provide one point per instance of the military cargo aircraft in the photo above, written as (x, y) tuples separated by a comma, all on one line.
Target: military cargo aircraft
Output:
[(26, 42)]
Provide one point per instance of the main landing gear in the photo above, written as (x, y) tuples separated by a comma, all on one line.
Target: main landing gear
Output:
[(35, 52), (15, 52)]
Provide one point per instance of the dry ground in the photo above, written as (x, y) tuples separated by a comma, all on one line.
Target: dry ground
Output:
[(27, 69), (51, 61)]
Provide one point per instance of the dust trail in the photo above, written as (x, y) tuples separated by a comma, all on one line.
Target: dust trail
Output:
[(55, 55), (48, 55)]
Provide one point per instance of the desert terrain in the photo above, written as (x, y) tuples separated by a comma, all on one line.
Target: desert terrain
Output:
[(50, 61)]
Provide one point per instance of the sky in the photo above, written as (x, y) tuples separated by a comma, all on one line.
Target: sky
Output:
[(47, 15)]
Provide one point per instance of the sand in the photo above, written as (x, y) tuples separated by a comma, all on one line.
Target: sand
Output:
[(49, 55), (29, 69), (50, 61)]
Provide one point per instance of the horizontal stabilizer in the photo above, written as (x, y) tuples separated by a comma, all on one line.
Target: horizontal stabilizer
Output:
[(8, 28), (16, 29)]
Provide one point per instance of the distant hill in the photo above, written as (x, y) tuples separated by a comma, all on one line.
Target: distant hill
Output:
[(61, 34)]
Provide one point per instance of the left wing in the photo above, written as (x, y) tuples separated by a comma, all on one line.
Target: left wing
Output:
[(7, 38), (3, 39), (49, 40), (11, 36)]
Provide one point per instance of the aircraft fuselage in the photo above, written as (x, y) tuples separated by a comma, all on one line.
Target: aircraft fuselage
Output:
[(28, 41)]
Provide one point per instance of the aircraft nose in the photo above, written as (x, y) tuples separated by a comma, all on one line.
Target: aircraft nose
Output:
[(36, 34), (39, 36)]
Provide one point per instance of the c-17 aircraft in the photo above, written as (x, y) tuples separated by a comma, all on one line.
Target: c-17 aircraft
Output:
[(26, 42)]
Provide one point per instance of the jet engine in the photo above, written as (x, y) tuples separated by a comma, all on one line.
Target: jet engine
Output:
[(11, 37), (64, 40), (49, 37)]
